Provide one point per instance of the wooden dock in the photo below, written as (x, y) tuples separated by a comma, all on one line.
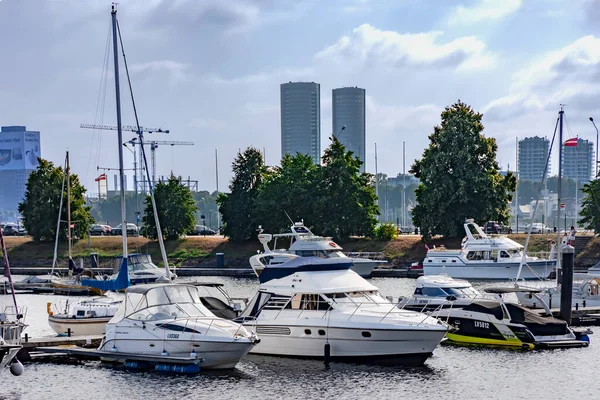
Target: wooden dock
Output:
[(580, 316), (31, 345)]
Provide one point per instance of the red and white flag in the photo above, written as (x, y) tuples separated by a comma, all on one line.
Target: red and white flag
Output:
[(101, 178), (571, 142)]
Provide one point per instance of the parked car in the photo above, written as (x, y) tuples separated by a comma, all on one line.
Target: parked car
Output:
[(97, 230), (203, 230), (10, 230), (538, 227), (132, 230), (107, 229), (492, 227)]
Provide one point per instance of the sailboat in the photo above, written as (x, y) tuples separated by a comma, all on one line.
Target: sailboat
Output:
[(72, 284), (11, 324), (192, 336)]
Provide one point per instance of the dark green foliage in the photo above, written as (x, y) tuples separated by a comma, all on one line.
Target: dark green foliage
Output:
[(345, 198), (288, 189), (237, 207), (460, 176), (590, 207), (385, 232), (334, 199), (175, 206), (39, 208)]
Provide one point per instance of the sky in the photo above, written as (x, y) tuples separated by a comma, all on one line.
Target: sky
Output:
[(210, 70)]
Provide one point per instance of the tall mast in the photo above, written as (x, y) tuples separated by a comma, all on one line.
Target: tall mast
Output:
[(68, 205), (376, 181), (119, 132), (217, 181), (404, 222), (559, 188)]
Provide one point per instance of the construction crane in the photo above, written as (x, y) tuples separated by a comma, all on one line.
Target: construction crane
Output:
[(133, 142), (154, 145)]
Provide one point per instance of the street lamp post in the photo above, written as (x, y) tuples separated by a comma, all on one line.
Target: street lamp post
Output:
[(593, 123), (339, 134)]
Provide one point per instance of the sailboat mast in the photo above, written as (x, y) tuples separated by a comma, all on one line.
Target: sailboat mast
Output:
[(559, 188), (119, 131), (68, 204)]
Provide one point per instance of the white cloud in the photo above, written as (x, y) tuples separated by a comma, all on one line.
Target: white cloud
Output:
[(282, 74), (176, 71), (484, 10), (369, 45), (209, 125), (563, 76)]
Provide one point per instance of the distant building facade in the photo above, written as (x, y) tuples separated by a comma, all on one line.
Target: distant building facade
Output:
[(533, 153), (578, 161), (301, 119), (349, 109), (19, 152), (401, 178)]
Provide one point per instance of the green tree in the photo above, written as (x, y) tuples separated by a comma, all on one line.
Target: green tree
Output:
[(289, 189), (175, 206), (39, 208), (590, 207), (237, 207), (459, 176), (345, 199), (109, 210)]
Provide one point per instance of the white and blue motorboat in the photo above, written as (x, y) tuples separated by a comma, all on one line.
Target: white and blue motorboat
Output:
[(487, 258), (319, 308), (304, 243)]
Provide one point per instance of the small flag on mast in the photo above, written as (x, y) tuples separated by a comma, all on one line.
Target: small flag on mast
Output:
[(101, 178), (571, 142)]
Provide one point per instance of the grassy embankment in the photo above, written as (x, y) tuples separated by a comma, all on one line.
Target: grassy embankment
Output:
[(194, 251)]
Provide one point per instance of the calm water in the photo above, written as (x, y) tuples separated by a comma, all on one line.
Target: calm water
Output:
[(451, 373)]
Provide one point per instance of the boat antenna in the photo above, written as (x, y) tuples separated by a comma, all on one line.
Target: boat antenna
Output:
[(287, 215)]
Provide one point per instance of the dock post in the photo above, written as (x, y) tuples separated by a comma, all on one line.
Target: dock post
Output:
[(566, 288)]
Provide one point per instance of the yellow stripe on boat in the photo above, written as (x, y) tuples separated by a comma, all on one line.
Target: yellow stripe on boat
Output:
[(487, 342)]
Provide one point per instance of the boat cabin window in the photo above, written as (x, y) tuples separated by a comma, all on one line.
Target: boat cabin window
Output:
[(504, 254), (357, 297), (434, 292), (320, 253), (460, 292), (478, 255), (308, 302)]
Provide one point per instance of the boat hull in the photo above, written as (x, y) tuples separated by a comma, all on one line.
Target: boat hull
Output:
[(78, 326), (393, 345), (213, 354), (364, 267), (490, 271)]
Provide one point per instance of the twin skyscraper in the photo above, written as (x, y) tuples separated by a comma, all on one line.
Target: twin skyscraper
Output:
[(301, 119)]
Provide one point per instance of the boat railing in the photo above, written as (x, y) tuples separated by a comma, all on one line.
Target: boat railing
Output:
[(371, 255)]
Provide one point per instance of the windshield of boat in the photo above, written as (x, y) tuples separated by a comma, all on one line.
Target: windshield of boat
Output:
[(458, 292), (165, 302), (321, 253), (140, 262), (368, 297)]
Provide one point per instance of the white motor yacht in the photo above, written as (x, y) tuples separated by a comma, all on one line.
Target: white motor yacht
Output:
[(485, 257), (436, 291), (586, 293), (304, 243), (167, 323), (320, 308)]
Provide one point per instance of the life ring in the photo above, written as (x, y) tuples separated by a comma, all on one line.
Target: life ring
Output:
[(332, 244)]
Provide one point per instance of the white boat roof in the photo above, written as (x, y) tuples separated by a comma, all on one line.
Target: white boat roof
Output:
[(304, 239), (337, 281), (441, 281)]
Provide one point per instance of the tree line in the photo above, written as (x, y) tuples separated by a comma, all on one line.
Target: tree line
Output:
[(334, 199)]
